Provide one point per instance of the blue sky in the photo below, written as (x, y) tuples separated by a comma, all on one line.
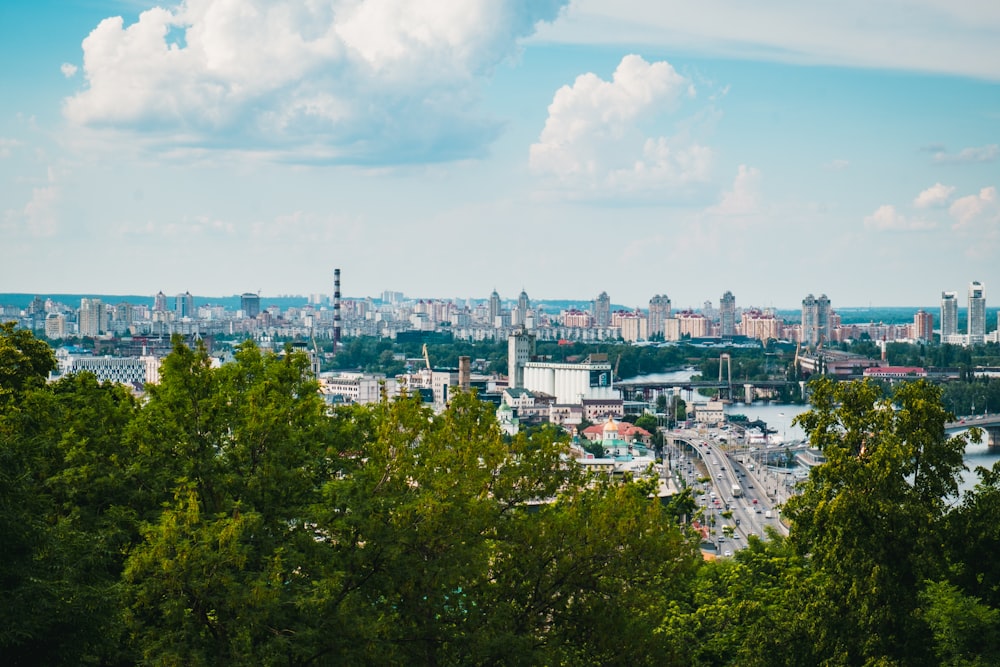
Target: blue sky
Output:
[(447, 149)]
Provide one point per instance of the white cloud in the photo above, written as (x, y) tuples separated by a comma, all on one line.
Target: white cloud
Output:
[(950, 36), (887, 218), (68, 70), (936, 195), (593, 138), (976, 210), (338, 80), (6, 145), (987, 153), (837, 165), (39, 216), (743, 199)]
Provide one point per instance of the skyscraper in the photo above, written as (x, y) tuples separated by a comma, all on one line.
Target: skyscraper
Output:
[(602, 310), (250, 304), (727, 315), (92, 319), (522, 309), (808, 334), (949, 315), (823, 318), (977, 313), (659, 311), (184, 305), (923, 326), (815, 320), (495, 310)]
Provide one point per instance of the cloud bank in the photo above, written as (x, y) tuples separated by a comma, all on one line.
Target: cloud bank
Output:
[(358, 81), (944, 36)]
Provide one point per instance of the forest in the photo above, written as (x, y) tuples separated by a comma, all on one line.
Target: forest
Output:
[(230, 517)]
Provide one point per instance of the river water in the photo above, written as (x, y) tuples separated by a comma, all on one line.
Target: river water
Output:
[(779, 418)]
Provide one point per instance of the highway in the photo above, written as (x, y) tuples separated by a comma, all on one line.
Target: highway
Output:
[(696, 455)]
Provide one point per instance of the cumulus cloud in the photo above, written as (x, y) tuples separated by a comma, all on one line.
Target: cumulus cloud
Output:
[(936, 195), (592, 138), (68, 70), (977, 210), (743, 199), (973, 154), (332, 80), (887, 218)]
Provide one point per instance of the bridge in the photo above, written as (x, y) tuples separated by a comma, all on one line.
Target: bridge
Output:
[(632, 389), (990, 425)]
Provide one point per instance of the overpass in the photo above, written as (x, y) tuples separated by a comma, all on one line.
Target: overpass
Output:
[(990, 425), (636, 388)]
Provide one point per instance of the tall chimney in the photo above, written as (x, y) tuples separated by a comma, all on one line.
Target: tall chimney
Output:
[(336, 310), (464, 373)]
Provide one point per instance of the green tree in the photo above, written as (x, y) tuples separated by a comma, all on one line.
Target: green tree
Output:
[(236, 456), (64, 518), (872, 518), (25, 362)]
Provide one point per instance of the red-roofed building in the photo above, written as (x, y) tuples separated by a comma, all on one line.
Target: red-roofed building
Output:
[(620, 430)]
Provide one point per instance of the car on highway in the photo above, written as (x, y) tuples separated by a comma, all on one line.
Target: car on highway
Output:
[(728, 553)]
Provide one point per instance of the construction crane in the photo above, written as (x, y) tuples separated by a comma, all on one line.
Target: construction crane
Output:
[(618, 362)]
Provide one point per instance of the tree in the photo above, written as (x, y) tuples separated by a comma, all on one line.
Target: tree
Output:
[(25, 362), (234, 458), (65, 520), (872, 518)]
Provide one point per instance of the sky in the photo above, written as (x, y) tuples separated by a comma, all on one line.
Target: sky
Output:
[(447, 149)]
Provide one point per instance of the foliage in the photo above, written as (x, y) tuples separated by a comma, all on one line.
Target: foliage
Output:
[(872, 518), (231, 517)]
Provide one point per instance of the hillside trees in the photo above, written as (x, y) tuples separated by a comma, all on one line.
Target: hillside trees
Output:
[(872, 520), (64, 517)]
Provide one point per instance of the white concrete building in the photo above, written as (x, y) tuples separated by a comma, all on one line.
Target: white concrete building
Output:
[(571, 383)]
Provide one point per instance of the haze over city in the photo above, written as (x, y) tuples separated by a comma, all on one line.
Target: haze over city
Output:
[(446, 150)]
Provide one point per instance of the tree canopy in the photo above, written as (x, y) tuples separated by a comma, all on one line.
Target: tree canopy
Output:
[(231, 517)]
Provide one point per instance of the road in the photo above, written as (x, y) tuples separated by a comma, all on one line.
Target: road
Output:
[(696, 455)]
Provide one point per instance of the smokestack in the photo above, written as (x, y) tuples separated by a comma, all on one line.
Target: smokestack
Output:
[(336, 310), (464, 373)]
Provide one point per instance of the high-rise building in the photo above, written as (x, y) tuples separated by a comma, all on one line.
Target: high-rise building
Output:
[(495, 308), (92, 319), (602, 310), (977, 313), (55, 325), (923, 326), (949, 314), (521, 316), (160, 302), (184, 305), (520, 350), (659, 311), (727, 315), (250, 304), (823, 321), (815, 320)]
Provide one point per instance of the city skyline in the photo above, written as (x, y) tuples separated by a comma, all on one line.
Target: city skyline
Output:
[(570, 147)]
